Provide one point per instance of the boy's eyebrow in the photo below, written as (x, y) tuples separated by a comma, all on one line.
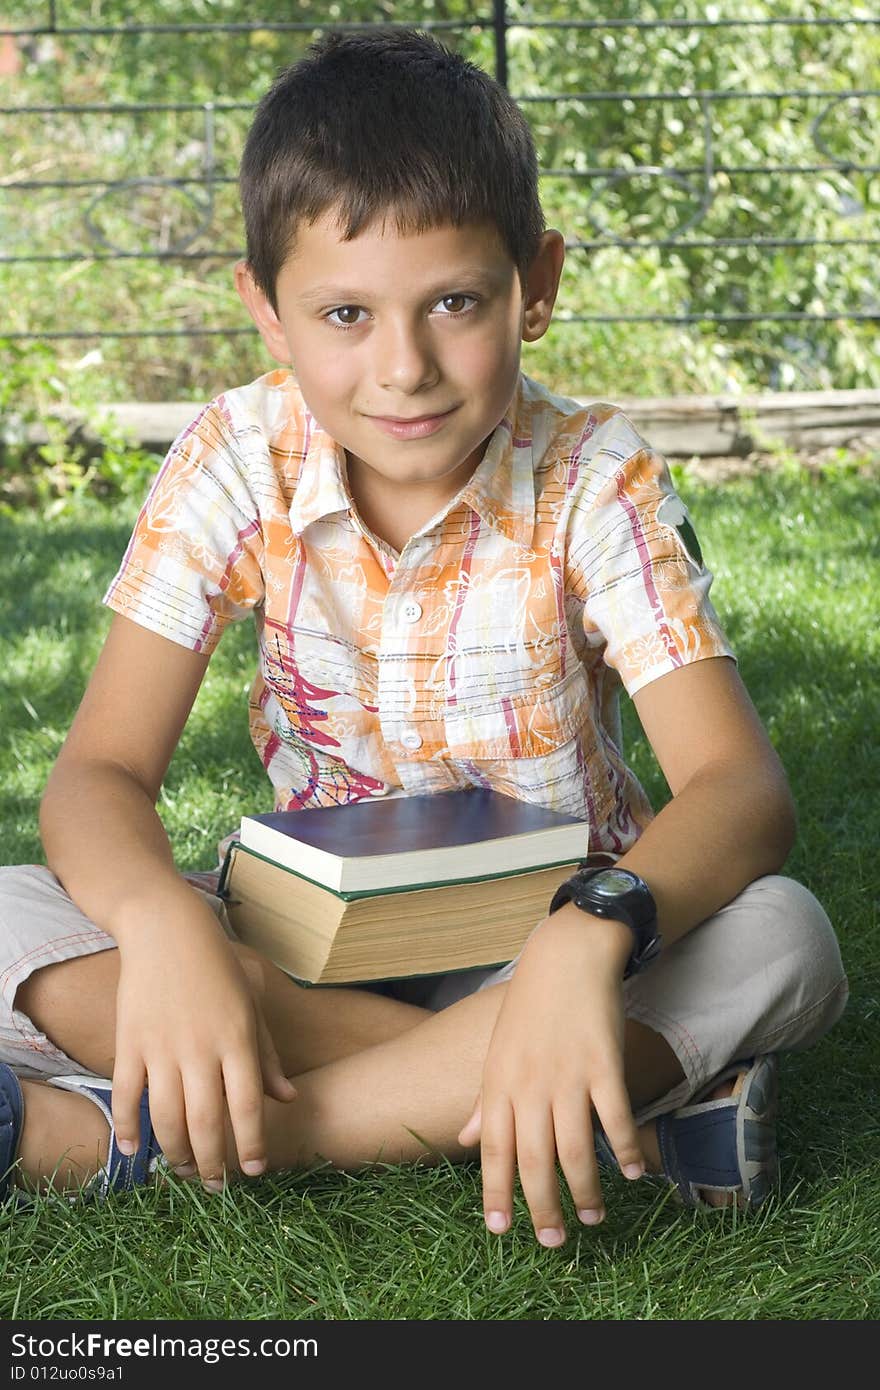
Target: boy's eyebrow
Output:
[(465, 279)]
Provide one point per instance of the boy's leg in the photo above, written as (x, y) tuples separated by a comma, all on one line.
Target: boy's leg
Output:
[(68, 1007), (764, 974), (58, 976), (398, 1100), (73, 1002), (421, 1087)]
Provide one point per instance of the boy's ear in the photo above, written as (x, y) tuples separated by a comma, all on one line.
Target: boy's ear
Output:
[(542, 285), (262, 313)]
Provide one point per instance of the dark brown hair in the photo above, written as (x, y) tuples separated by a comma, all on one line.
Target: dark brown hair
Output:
[(386, 122)]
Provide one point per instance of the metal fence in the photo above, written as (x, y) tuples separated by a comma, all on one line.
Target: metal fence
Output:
[(700, 179)]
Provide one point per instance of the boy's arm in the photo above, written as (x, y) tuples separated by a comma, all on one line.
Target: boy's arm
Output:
[(557, 1048), (107, 846), (731, 818), (106, 779)]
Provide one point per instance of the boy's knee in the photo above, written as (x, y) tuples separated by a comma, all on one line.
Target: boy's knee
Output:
[(795, 922), (30, 896), (256, 967), (52, 959), (23, 880), (797, 946)]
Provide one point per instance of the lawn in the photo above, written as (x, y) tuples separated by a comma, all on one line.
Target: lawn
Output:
[(794, 552)]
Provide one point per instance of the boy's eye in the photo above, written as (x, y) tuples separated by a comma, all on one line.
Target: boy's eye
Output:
[(353, 309), (447, 297), (345, 309)]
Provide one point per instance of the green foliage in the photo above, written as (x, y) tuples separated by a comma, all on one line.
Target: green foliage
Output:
[(747, 132), (55, 475)]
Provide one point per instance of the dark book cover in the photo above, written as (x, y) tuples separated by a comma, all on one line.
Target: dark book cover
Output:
[(416, 823)]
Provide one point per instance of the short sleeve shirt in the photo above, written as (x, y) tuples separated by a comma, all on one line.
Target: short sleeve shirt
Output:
[(491, 651)]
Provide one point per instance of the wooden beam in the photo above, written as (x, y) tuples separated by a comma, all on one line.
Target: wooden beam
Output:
[(678, 426), (683, 426)]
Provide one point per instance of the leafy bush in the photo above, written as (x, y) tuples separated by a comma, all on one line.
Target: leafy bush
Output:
[(754, 134), (54, 475)]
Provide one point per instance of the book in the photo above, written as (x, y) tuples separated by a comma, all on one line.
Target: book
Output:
[(390, 842), (413, 885)]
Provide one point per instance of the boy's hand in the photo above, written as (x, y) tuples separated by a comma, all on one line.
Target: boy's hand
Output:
[(556, 1055), (190, 1026)]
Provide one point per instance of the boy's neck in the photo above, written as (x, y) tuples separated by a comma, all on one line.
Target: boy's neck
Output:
[(394, 513)]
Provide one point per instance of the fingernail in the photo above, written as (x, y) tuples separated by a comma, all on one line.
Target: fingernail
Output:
[(212, 1184), (590, 1217), (633, 1170), (496, 1221), (253, 1167), (186, 1170), (126, 1146), (551, 1235)]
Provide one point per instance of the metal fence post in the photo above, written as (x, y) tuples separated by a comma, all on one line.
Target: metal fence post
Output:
[(499, 24), (697, 179)]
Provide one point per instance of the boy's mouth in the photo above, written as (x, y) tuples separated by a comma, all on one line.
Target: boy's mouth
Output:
[(413, 428)]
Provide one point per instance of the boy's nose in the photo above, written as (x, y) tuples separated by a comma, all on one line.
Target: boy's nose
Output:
[(405, 361)]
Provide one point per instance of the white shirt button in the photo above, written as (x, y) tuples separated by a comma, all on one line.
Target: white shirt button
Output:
[(411, 738), (412, 611)]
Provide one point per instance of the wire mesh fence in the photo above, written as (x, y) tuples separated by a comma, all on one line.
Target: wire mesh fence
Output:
[(757, 195)]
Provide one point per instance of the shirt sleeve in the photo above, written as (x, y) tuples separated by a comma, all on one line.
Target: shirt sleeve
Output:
[(640, 569), (194, 561)]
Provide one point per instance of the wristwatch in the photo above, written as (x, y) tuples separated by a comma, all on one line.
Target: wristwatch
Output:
[(624, 897)]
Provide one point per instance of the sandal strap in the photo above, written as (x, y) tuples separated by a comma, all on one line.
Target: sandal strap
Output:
[(604, 1152), (121, 1171), (11, 1121), (726, 1145), (700, 1150)]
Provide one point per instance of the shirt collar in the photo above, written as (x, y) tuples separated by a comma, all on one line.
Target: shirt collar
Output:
[(321, 488), (501, 490)]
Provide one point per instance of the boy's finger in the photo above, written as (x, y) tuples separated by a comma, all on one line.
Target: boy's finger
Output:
[(469, 1134), (206, 1123), (247, 1113), (498, 1156), (536, 1160), (573, 1126), (275, 1083), (612, 1105), (129, 1079), (168, 1118)]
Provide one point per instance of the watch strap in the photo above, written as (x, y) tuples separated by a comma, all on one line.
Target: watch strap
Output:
[(646, 939)]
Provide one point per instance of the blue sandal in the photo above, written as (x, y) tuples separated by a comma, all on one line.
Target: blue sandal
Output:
[(118, 1174), (726, 1145)]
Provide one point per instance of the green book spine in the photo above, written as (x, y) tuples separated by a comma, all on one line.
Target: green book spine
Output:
[(236, 847)]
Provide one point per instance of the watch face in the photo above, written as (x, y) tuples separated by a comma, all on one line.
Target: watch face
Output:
[(612, 882)]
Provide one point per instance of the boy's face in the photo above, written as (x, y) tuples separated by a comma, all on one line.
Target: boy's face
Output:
[(429, 324)]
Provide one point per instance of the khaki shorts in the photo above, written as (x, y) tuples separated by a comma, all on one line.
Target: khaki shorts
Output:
[(763, 975)]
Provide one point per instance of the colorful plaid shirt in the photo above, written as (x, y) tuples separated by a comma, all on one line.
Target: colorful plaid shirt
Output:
[(490, 652)]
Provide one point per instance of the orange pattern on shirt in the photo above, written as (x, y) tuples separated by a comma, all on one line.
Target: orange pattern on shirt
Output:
[(491, 651)]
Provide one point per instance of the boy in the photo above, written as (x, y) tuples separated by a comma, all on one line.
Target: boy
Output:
[(452, 571)]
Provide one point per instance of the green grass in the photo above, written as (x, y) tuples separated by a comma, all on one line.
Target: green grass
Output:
[(795, 554)]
